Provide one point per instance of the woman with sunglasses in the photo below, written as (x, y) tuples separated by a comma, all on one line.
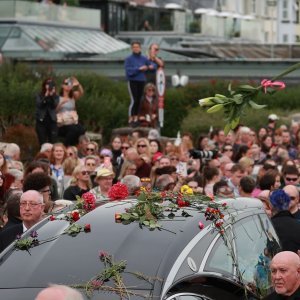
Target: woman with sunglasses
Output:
[(142, 146), (80, 184), (45, 115), (149, 107), (67, 117)]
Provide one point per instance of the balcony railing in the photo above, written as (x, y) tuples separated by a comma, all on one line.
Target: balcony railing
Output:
[(38, 12)]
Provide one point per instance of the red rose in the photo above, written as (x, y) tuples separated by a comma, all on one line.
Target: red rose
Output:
[(75, 216), (181, 203), (118, 191), (87, 228), (89, 201), (52, 218), (224, 204)]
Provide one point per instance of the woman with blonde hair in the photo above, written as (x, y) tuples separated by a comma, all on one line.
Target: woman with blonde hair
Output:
[(142, 146), (80, 184), (128, 168)]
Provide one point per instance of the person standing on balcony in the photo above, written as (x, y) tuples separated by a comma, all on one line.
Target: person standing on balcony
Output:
[(136, 65), (155, 61), (46, 103)]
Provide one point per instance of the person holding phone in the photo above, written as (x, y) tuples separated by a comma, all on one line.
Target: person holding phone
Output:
[(46, 103), (67, 118)]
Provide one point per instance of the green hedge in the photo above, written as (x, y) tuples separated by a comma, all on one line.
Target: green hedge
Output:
[(104, 105)]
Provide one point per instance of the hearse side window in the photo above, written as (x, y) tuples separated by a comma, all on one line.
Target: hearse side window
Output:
[(220, 259), (255, 243)]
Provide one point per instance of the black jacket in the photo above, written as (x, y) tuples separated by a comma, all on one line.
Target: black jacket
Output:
[(46, 105), (8, 235), (275, 296), (288, 230)]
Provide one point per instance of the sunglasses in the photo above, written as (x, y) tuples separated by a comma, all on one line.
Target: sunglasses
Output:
[(70, 154), (291, 179), (84, 172), (90, 149), (142, 146), (293, 198), (156, 49), (124, 148)]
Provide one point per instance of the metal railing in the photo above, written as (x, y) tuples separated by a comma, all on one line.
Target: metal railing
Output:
[(39, 12)]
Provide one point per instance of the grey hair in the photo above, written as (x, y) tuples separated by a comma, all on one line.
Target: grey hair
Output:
[(132, 182), (40, 196)]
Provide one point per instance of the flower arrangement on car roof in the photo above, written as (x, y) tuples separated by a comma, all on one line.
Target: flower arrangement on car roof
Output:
[(152, 207)]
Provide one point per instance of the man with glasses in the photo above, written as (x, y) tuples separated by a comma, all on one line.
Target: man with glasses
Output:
[(293, 192), (291, 175), (31, 212)]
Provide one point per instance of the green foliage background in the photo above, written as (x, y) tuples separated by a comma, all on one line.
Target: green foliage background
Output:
[(104, 105)]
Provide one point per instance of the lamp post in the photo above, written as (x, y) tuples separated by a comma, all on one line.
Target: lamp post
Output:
[(272, 4)]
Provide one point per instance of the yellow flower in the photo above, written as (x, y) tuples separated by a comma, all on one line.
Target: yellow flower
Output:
[(185, 189)]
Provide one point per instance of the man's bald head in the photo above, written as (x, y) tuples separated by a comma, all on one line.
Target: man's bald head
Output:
[(59, 292), (293, 192), (285, 272)]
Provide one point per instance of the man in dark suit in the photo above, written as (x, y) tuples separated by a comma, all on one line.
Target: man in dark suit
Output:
[(31, 212)]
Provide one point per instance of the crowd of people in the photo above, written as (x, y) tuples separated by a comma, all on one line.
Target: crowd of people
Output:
[(246, 163)]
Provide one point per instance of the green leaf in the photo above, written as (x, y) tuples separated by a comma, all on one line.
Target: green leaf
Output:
[(246, 87), (227, 128), (238, 98), (255, 105), (185, 214), (235, 122), (215, 108), (146, 223), (126, 216), (171, 216)]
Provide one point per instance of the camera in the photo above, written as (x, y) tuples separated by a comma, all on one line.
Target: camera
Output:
[(203, 154), (51, 85)]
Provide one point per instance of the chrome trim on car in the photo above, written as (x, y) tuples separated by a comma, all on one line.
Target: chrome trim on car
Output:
[(182, 257)]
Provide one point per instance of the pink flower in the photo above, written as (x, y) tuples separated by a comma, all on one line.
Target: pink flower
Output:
[(201, 225), (96, 283)]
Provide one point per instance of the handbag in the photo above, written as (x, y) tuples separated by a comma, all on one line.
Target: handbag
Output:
[(67, 118)]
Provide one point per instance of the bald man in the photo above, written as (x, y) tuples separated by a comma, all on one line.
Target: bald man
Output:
[(285, 274), (293, 192), (59, 292)]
